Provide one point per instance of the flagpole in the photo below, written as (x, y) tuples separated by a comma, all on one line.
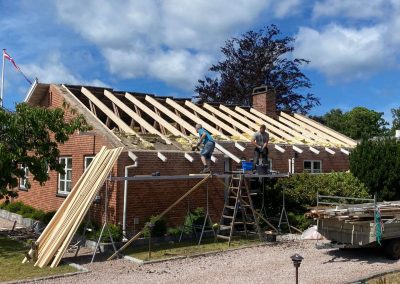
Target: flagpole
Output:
[(2, 79)]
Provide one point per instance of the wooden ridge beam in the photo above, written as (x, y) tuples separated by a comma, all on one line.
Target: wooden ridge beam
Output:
[(270, 127), (196, 119), (135, 116), (216, 121), (155, 116), (228, 119), (118, 121), (327, 130)]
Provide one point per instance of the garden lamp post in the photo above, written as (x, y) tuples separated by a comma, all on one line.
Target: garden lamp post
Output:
[(150, 226), (296, 262)]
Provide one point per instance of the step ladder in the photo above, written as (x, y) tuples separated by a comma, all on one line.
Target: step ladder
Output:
[(238, 215)]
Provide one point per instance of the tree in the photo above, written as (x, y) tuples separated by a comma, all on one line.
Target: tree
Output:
[(396, 119), (255, 59), (377, 164), (358, 123), (29, 137)]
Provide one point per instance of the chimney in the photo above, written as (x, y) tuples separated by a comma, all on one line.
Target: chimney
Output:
[(264, 101)]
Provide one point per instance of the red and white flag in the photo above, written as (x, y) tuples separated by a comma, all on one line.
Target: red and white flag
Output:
[(8, 57)]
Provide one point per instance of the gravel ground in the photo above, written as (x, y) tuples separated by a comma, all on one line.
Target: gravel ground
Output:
[(266, 264)]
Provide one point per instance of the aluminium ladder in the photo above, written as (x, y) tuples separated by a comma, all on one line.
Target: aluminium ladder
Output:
[(238, 215)]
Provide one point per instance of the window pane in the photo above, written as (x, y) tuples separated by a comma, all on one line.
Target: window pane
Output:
[(317, 165), (68, 186), (88, 160), (307, 165), (69, 163), (62, 177), (69, 173), (62, 186)]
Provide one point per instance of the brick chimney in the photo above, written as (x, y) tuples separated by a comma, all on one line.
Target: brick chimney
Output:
[(264, 101)]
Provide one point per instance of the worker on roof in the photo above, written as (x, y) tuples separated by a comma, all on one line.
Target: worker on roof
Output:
[(260, 141), (208, 149)]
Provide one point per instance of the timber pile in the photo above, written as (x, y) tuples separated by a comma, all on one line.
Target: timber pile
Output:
[(55, 239), (357, 212)]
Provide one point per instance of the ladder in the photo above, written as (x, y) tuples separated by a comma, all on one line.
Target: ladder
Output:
[(238, 215)]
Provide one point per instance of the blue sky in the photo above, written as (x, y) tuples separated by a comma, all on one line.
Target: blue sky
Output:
[(164, 47)]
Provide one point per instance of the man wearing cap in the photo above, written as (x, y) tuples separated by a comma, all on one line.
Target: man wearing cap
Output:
[(260, 141), (208, 149)]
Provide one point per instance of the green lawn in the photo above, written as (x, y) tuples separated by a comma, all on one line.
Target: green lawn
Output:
[(161, 251), (392, 278), (11, 268)]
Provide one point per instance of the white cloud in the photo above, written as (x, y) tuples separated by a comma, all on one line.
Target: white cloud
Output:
[(53, 71), (358, 9), (174, 40), (288, 7), (344, 52)]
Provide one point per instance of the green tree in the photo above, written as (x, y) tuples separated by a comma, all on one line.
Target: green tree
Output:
[(255, 59), (396, 119), (29, 137), (362, 122), (377, 164), (358, 123)]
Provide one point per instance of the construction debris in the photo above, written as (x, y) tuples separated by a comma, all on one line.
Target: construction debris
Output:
[(53, 242), (357, 212)]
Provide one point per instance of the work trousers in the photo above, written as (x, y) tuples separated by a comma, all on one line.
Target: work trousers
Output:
[(264, 156)]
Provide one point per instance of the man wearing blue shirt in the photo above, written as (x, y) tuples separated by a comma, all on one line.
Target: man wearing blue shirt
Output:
[(208, 149)]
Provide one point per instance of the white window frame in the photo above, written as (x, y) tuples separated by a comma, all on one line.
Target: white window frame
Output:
[(23, 181), (86, 165), (64, 160), (313, 170)]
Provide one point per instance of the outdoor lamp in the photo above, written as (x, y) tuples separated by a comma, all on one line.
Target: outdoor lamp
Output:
[(297, 258)]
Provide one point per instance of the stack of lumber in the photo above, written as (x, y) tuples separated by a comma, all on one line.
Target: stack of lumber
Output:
[(55, 239), (357, 212)]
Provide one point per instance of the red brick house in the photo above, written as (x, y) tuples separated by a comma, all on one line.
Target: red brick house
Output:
[(156, 133)]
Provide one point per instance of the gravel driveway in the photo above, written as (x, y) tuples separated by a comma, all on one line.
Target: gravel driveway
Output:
[(266, 264)]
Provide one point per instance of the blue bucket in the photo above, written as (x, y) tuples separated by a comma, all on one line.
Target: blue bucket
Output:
[(247, 166)]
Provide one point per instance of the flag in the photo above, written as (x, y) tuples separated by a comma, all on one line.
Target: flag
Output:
[(9, 58)]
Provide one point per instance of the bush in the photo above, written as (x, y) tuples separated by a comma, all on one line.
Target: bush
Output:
[(194, 218), (174, 231), (116, 233), (159, 229), (27, 211), (301, 193), (377, 164)]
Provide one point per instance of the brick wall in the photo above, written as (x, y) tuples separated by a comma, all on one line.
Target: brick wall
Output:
[(146, 198), (264, 101)]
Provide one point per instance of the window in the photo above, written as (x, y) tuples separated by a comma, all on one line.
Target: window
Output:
[(23, 182), (65, 180), (88, 160), (312, 166)]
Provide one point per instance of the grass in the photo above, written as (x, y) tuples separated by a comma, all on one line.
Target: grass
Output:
[(392, 278), (162, 251), (11, 268)]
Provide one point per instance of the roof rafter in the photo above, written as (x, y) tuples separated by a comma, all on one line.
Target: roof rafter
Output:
[(270, 127), (135, 116), (155, 116), (228, 119), (327, 130), (186, 125), (216, 121), (109, 113), (330, 139)]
